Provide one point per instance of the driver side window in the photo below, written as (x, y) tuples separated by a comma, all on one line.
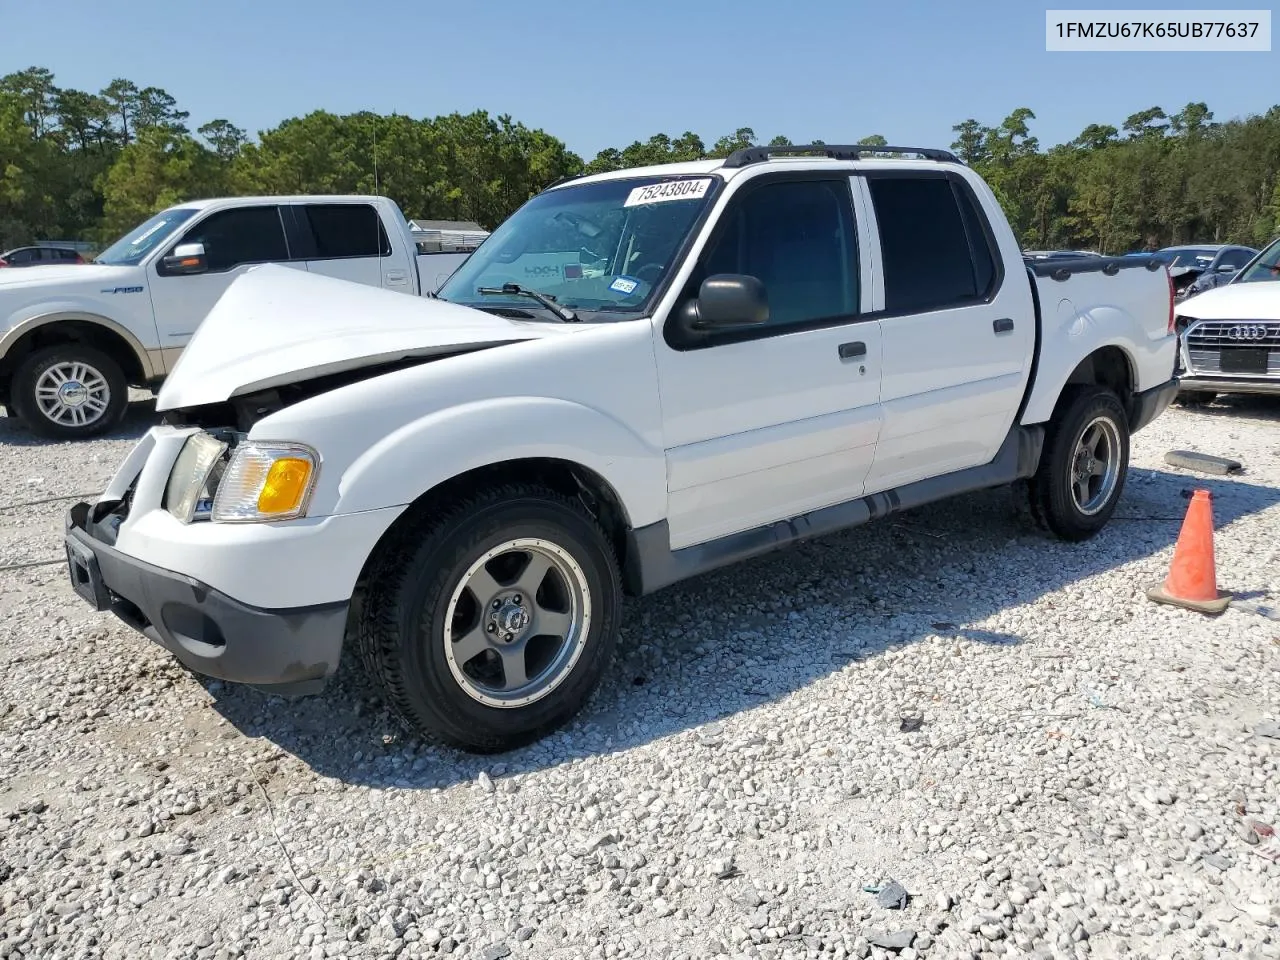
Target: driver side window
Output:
[(798, 239), (235, 237)]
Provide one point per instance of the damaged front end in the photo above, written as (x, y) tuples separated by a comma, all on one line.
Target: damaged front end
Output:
[(240, 413)]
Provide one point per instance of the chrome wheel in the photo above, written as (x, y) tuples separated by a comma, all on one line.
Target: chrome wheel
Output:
[(1095, 465), (517, 622), (72, 394)]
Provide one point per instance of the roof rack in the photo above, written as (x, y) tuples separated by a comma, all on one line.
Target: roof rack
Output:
[(564, 179), (748, 155)]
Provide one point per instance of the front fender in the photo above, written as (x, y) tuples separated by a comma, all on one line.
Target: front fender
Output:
[(31, 316), (415, 458)]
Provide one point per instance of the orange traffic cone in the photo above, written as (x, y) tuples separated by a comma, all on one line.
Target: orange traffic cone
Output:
[(1193, 578)]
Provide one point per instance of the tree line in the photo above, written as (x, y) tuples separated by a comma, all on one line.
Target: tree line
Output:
[(76, 165)]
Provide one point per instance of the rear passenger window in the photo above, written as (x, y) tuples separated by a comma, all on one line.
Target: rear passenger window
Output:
[(798, 239), (935, 249), (346, 230)]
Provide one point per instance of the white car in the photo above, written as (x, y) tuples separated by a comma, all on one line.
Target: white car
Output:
[(74, 338), (783, 343), (1230, 335)]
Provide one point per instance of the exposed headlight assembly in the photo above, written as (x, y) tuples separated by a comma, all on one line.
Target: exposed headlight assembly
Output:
[(192, 479), (266, 480)]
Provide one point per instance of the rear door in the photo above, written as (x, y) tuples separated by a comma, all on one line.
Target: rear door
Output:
[(778, 420), (347, 241), (958, 331)]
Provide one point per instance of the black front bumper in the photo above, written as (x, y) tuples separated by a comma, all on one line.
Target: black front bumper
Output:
[(292, 651), (1151, 403)]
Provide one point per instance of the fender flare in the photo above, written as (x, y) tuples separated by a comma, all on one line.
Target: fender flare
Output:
[(1044, 399), (418, 456), (23, 327)]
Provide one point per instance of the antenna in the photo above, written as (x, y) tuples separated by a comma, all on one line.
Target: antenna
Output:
[(375, 153)]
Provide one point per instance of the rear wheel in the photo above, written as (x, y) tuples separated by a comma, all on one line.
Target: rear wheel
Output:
[(489, 624), (69, 392), (1082, 470)]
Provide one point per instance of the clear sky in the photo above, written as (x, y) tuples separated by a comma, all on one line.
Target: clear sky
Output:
[(604, 73)]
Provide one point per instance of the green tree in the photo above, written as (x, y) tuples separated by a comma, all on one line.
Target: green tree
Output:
[(224, 137), (159, 169)]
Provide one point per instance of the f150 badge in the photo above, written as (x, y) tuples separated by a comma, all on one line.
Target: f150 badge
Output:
[(121, 290)]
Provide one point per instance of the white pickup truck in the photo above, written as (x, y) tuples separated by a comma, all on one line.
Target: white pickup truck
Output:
[(731, 356), (74, 338)]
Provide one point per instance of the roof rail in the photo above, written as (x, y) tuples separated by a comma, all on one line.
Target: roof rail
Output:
[(747, 155)]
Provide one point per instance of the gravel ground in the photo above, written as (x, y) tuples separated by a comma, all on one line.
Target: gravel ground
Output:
[(1082, 782)]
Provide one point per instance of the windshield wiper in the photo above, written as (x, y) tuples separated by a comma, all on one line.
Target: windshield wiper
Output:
[(514, 289)]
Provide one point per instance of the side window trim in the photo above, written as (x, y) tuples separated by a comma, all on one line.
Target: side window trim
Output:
[(837, 178), (965, 197), (199, 221), (870, 262), (296, 233), (962, 192)]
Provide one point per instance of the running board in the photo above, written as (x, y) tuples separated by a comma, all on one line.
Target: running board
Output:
[(651, 564)]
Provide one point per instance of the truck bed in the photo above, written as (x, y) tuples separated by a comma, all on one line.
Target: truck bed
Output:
[(1121, 302)]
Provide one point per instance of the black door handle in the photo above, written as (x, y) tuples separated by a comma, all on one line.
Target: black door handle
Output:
[(851, 351), (1003, 325)]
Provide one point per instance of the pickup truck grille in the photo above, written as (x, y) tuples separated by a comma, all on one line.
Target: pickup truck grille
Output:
[(1234, 347)]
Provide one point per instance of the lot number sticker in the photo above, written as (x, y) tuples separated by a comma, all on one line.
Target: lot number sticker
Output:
[(670, 190), (624, 285)]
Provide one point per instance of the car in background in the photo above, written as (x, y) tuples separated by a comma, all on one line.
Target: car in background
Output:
[(1188, 263), (1042, 255), (37, 256), (73, 339), (1229, 337)]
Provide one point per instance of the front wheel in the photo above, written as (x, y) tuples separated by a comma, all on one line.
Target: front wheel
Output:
[(69, 392), (489, 624), (1082, 470)]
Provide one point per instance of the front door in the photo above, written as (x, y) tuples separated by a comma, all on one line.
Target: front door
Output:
[(777, 420), (234, 240)]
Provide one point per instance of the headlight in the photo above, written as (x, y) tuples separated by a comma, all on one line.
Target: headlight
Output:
[(190, 479), (266, 481)]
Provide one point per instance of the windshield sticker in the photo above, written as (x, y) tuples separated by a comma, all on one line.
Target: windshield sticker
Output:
[(670, 190), (573, 271), (146, 233), (624, 285)]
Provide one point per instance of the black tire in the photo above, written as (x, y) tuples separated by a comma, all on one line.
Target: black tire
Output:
[(401, 632), (1051, 491), (1195, 398), (24, 403)]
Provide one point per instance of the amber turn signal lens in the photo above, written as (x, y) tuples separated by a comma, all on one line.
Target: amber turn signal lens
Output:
[(285, 486)]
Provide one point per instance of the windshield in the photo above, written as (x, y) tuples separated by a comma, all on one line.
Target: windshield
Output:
[(1266, 266), (594, 247), (130, 249)]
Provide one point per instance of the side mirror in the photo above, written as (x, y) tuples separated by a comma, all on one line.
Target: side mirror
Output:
[(187, 258), (726, 301)]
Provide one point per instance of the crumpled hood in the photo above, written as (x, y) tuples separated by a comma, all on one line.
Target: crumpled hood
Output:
[(276, 326), (1257, 300)]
